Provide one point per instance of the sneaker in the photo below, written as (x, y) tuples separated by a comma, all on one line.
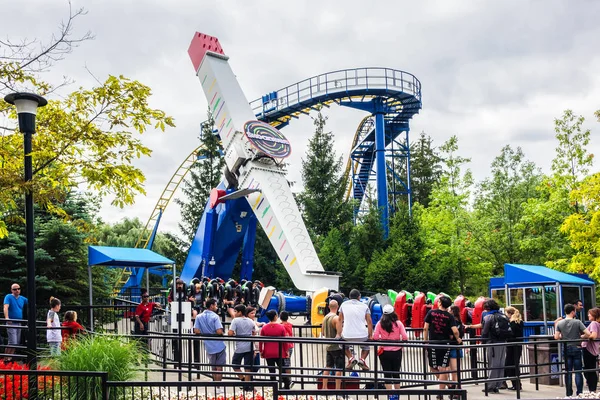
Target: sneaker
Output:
[(351, 363), (363, 364)]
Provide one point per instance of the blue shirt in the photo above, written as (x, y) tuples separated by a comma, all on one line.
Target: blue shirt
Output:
[(208, 322), (15, 306)]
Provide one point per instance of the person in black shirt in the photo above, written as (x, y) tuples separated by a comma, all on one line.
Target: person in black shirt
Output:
[(513, 352), (440, 328), (496, 354)]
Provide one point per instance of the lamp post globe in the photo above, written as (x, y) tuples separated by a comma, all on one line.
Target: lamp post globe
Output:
[(27, 105)]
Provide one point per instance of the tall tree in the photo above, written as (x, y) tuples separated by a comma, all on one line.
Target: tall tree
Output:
[(89, 137), (322, 200), (544, 213), (205, 175), (391, 267), (425, 169), (61, 253), (583, 228), (498, 224), (572, 160), (445, 224)]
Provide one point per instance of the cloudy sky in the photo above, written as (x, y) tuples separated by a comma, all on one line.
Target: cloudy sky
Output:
[(492, 72)]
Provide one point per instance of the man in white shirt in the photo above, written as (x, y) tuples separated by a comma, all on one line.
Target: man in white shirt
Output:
[(357, 326)]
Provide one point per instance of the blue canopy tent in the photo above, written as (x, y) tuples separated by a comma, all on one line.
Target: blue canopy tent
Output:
[(540, 293), (121, 257)]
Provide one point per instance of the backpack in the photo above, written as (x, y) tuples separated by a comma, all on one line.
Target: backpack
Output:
[(500, 329)]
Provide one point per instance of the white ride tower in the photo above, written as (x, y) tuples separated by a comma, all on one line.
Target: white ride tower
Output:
[(254, 152)]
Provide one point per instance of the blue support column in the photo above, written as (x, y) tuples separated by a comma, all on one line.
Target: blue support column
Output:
[(248, 250), (210, 230), (408, 185), (382, 192), (378, 108)]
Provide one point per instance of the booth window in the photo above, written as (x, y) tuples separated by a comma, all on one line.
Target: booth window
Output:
[(550, 292), (517, 300), (588, 300), (535, 304), (500, 296), (569, 295)]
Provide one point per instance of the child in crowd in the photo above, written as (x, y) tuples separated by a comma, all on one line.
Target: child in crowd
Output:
[(70, 327), (53, 335)]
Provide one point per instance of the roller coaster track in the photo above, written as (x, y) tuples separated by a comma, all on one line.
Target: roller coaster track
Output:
[(401, 92), (365, 126)]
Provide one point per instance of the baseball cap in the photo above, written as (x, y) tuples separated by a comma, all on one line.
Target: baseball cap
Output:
[(388, 309)]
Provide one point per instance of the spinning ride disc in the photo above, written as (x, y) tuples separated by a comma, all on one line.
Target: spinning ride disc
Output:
[(267, 139)]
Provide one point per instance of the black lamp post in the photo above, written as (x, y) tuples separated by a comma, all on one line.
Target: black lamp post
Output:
[(27, 105)]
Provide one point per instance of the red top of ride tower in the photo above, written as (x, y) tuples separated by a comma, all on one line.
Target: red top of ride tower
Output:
[(201, 43)]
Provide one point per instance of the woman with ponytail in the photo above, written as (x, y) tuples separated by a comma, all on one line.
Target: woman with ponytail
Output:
[(513, 353)]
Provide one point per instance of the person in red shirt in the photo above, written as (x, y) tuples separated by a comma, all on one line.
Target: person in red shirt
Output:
[(289, 329), (275, 353), (70, 328), (143, 312)]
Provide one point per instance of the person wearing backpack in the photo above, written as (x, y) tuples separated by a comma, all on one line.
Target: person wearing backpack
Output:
[(496, 329)]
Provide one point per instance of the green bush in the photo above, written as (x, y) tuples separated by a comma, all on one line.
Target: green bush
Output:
[(115, 355)]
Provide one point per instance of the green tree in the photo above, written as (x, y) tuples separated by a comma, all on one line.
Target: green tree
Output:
[(89, 137), (61, 254), (583, 228), (393, 266), (321, 200), (445, 224), (545, 213), (498, 226), (425, 169), (205, 175)]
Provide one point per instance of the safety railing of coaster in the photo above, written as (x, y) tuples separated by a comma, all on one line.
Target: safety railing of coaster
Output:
[(338, 84)]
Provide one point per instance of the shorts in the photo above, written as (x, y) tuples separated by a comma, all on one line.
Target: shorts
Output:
[(246, 359), (391, 361), (454, 351), (14, 334), (439, 357), (335, 359), (362, 347), (218, 359)]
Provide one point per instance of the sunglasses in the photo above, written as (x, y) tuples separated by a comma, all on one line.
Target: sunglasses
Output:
[(14, 290), (145, 296)]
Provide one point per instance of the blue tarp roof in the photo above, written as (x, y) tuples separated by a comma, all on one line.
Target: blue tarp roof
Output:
[(125, 257), (515, 274)]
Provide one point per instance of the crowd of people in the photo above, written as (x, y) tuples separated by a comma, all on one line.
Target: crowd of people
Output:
[(346, 320)]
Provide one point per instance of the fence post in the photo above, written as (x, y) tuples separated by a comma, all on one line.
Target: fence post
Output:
[(518, 369), (104, 390), (425, 365), (458, 358), (164, 363), (301, 360), (535, 363), (375, 369)]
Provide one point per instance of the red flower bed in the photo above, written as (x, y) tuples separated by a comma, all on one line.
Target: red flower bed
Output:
[(16, 386)]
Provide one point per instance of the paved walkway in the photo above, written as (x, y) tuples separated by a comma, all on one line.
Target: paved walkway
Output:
[(474, 391)]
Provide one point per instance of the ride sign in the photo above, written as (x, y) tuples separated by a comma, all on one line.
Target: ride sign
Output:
[(267, 139)]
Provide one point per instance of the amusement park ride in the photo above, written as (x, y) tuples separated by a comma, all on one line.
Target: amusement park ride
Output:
[(254, 189)]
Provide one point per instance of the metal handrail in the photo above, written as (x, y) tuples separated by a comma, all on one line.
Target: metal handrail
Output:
[(340, 83)]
